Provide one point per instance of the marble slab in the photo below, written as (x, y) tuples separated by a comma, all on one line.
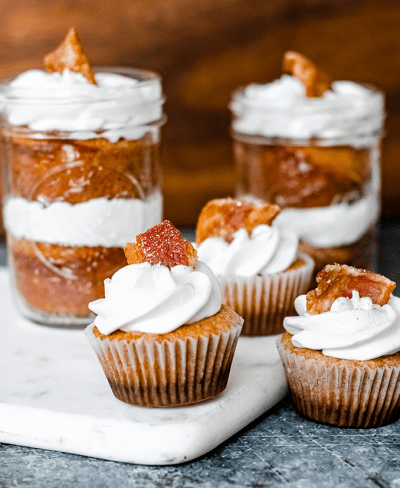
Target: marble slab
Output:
[(53, 395)]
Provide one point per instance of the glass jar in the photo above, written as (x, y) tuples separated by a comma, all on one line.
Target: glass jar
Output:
[(81, 179), (319, 159)]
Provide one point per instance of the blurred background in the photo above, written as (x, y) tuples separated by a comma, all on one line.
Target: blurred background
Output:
[(204, 50)]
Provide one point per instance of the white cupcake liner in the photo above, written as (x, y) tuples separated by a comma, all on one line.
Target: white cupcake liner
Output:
[(264, 301), (167, 373), (339, 395)]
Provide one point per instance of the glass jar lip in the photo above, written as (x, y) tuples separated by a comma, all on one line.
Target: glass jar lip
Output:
[(145, 78)]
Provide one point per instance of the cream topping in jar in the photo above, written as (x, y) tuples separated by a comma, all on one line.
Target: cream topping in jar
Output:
[(156, 299), (348, 111), (268, 250), (118, 106), (354, 328)]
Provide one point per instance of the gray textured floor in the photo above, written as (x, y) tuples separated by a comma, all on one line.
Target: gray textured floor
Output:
[(280, 449)]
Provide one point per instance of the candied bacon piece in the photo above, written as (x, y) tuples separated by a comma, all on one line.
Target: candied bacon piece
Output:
[(224, 216), (70, 55), (316, 82), (162, 244), (335, 281)]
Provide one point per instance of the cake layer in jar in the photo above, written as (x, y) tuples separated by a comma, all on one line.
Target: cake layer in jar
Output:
[(301, 176), (74, 171), (61, 280)]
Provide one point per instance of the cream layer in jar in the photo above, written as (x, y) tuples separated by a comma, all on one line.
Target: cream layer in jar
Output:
[(96, 222), (83, 179)]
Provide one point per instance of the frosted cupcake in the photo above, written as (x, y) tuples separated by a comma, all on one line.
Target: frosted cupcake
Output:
[(257, 265), (161, 334), (341, 354)]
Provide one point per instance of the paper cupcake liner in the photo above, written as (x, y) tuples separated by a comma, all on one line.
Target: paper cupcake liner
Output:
[(264, 301), (167, 373), (343, 396)]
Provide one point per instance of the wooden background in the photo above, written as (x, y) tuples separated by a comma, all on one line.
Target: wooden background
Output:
[(204, 50)]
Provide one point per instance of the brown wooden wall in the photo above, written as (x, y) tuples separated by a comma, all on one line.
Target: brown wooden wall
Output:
[(204, 50)]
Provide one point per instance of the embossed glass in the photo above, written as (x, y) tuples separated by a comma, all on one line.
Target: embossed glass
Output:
[(73, 197)]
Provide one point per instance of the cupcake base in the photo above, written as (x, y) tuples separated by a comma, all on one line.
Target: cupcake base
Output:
[(264, 301), (345, 393), (184, 367)]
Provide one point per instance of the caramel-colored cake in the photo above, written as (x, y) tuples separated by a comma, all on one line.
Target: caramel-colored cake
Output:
[(56, 277), (184, 365)]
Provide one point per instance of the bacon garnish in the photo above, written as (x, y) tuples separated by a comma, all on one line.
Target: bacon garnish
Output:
[(335, 281), (223, 217), (70, 55), (162, 244), (316, 82)]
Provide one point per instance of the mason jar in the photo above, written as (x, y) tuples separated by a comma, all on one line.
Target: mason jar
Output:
[(319, 159), (81, 179)]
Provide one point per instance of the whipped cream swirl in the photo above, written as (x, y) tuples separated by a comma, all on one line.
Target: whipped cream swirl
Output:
[(350, 112), (118, 106), (354, 328), (156, 299), (268, 250)]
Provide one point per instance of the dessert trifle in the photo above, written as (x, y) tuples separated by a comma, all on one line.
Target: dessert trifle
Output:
[(80, 152), (257, 264), (161, 334), (341, 354), (313, 147)]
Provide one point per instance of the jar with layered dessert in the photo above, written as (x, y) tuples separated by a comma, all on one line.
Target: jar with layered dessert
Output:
[(82, 178), (318, 158)]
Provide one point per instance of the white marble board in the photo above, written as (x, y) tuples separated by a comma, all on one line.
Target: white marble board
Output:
[(54, 395)]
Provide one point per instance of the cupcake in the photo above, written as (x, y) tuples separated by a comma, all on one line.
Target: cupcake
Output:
[(341, 354), (257, 265), (161, 334)]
